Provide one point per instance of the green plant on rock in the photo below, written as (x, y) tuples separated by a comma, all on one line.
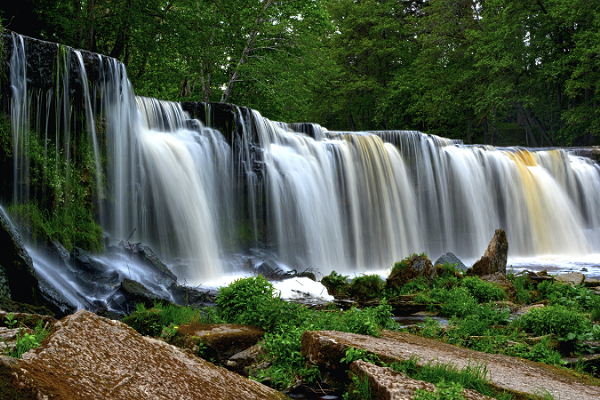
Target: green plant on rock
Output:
[(483, 291), (366, 286), (459, 303), (360, 389), (336, 284), (25, 341), (444, 391), (557, 320)]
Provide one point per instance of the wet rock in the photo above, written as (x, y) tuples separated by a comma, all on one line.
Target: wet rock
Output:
[(146, 256), (409, 269), (388, 384), (573, 278), (90, 357), (591, 283), (137, 293), (268, 268), (18, 274), (507, 286), (11, 306), (220, 341), (526, 309), (186, 295), (451, 259), (83, 261), (494, 258), (248, 358)]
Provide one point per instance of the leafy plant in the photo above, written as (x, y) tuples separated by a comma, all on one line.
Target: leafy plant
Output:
[(25, 341), (483, 291), (360, 389), (459, 303), (444, 391), (335, 283), (557, 320), (366, 286)]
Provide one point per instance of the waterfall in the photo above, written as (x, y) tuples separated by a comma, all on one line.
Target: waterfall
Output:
[(295, 194)]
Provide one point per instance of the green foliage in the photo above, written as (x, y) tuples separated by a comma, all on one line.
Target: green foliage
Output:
[(459, 302), (63, 192), (366, 286), (557, 320), (574, 298), (524, 286), (483, 291), (444, 391), (163, 318), (360, 389), (416, 285), (353, 354), (25, 340), (431, 328), (336, 284)]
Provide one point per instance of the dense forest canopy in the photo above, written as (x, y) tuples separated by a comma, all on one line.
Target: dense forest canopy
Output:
[(499, 72)]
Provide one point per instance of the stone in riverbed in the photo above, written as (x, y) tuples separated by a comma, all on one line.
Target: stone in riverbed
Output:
[(388, 384), (409, 269), (90, 357), (494, 258), (572, 278), (451, 259)]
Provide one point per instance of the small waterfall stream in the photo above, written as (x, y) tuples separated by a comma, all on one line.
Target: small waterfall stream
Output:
[(296, 194)]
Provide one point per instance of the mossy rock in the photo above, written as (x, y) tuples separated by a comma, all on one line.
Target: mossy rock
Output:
[(146, 322), (9, 389), (410, 268), (219, 341), (12, 306), (366, 287), (336, 284)]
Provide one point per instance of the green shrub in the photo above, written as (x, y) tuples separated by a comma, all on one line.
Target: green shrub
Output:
[(366, 286), (557, 320), (524, 286), (459, 303), (247, 301), (483, 291), (336, 284), (416, 285)]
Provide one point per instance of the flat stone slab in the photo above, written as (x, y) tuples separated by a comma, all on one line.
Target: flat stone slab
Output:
[(572, 278), (326, 348), (391, 385), (91, 357), (219, 341)]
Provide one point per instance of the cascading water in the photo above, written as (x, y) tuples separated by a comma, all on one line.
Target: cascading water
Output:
[(311, 198)]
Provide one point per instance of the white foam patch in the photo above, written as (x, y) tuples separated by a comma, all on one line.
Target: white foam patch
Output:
[(298, 288)]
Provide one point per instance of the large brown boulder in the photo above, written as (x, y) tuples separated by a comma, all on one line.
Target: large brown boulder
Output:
[(409, 269), (219, 341), (494, 258), (91, 357), (387, 384)]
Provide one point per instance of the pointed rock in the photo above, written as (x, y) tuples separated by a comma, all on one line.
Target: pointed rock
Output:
[(494, 258)]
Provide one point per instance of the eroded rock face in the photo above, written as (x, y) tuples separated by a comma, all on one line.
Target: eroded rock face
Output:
[(90, 357), (22, 282), (494, 258), (221, 341), (573, 278), (387, 384), (499, 279), (327, 348), (414, 267)]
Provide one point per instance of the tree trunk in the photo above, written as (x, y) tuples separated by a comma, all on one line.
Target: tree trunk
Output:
[(249, 45)]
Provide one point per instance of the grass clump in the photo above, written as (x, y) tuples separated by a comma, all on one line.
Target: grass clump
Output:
[(483, 292)]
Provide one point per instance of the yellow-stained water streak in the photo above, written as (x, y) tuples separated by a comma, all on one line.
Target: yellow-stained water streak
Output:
[(551, 220)]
